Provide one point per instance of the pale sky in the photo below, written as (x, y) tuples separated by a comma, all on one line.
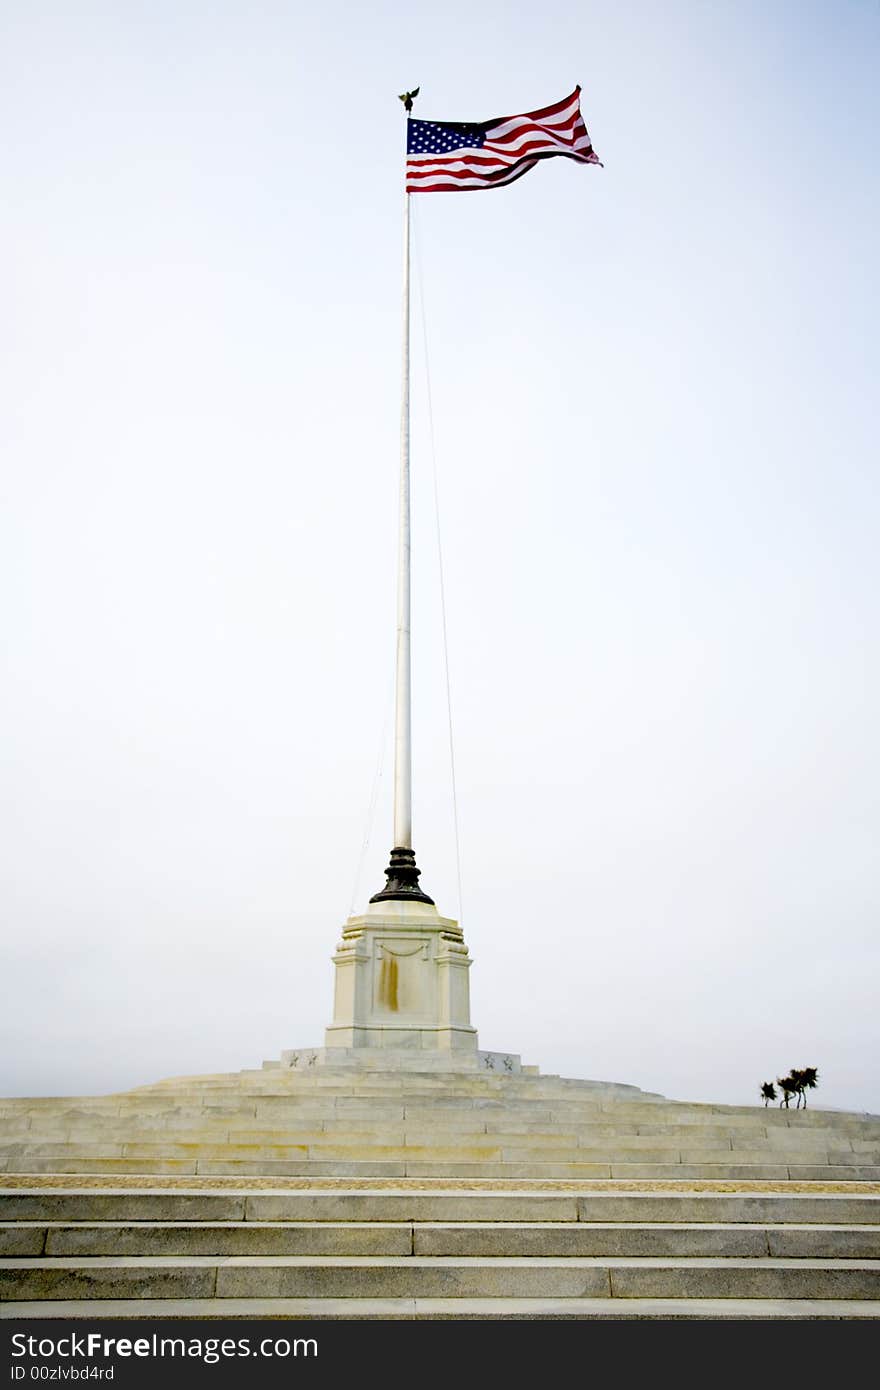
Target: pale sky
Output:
[(654, 391)]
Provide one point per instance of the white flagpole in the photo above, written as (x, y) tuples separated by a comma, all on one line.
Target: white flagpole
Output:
[(402, 874), (403, 691)]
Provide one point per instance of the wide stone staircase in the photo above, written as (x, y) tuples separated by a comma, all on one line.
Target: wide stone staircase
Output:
[(405, 1194)]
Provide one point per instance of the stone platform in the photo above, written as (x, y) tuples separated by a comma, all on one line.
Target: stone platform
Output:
[(327, 1192), (343, 1122)]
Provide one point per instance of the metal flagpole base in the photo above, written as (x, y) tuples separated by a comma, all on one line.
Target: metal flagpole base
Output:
[(403, 879)]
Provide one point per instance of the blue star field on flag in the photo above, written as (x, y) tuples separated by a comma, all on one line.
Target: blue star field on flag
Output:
[(430, 137)]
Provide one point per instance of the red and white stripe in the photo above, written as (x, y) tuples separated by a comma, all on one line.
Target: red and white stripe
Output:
[(512, 146)]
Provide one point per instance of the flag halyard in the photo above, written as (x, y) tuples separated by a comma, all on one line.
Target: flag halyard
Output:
[(458, 156)]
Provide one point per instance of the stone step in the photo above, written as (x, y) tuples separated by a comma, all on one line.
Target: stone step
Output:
[(246, 1129), (457, 1170), (340, 1133), (435, 1205), (716, 1172), (492, 1148), (390, 1141), (207, 1238), (450, 1151), (387, 1080), (387, 1077), (453, 1096), (554, 1239), (657, 1240), (365, 1118), (463, 1098), (417, 1276), (309, 1309)]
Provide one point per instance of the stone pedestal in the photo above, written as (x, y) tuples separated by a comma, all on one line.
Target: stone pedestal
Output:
[(402, 983)]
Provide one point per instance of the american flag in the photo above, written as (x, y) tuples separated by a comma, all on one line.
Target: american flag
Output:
[(452, 156)]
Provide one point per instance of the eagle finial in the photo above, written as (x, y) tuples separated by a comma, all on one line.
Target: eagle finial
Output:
[(408, 98)]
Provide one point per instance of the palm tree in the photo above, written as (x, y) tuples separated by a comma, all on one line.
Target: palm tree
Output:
[(788, 1086), (768, 1091), (809, 1081), (798, 1078)]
